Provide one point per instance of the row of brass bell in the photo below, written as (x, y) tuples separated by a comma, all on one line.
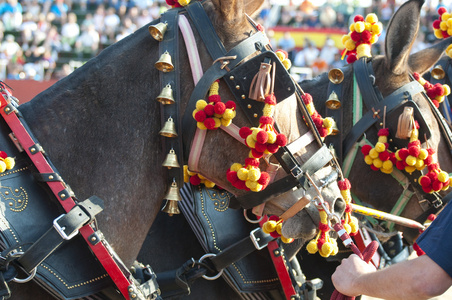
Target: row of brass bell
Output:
[(172, 197)]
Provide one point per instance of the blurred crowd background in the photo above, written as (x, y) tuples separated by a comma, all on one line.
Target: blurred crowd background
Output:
[(48, 39)]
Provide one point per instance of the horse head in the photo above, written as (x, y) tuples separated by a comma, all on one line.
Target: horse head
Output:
[(388, 78)]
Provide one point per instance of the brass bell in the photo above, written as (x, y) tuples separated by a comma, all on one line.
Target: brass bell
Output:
[(172, 197), (438, 72), (169, 129), (171, 160), (335, 130), (166, 95), (333, 101), (164, 64), (336, 75), (158, 31)]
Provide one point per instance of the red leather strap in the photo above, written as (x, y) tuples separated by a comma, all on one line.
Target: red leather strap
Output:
[(42, 165)]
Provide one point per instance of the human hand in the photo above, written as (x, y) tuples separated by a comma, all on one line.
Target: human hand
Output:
[(349, 274)]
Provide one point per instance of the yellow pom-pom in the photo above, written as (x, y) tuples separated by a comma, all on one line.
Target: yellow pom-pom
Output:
[(377, 28), (226, 122), (423, 154), (363, 50), (449, 31), (410, 160), (438, 33), (443, 26), (445, 16), (360, 26), (352, 27), (286, 240), (419, 165), (2, 166), (279, 228), (280, 55), (410, 169), (10, 163), (380, 147), (328, 122), (184, 2), (377, 163), (383, 139), (347, 228), (250, 141), (371, 18), (254, 174), (443, 176), (373, 153), (242, 174), (271, 137), (236, 167), (387, 165), (255, 131), (269, 226), (345, 38), (217, 122), (251, 185), (354, 225), (373, 39), (327, 249), (368, 160), (387, 171), (446, 89), (367, 26), (201, 125), (201, 104), (312, 247), (350, 45), (255, 187), (287, 63), (209, 184), (311, 109)]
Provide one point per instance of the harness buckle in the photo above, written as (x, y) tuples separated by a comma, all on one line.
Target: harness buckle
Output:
[(61, 231), (296, 171), (257, 240), (437, 203)]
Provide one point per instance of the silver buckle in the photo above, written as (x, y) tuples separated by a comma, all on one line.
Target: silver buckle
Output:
[(256, 240), (60, 229), (296, 171)]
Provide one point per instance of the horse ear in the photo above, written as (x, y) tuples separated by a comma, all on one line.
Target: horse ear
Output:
[(232, 10), (421, 61), (401, 33)]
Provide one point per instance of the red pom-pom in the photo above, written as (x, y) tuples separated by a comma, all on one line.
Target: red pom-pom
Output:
[(351, 58), (439, 89), (272, 148), (231, 104), (441, 10), (431, 93), (195, 180), (260, 147), (400, 164), (444, 34), (418, 249), (244, 132), (384, 156), (307, 98), (317, 121), (281, 140), (427, 85), (344, 184), (251, 162), (416, 76), (431, 217), (366, 149), (323, 132), (171, 2), (262, 137), (348, 209), (432, 175), (210, 110), (241, 185), (264, 179), (414, 151), (427, 189), (355, 36), (374, 168), (415, 143), (436, 25), (3, 154), (270, 99), (435, 102), (209, 123), (433, 167), (403, 153), (425, 181), (428, 161), (324, 227), (200, 116), (256, 153), (366, 36), (431, 151), (383, 132), (214, 98), (266, 120), (358, 18), (219, 108), (437, 185)]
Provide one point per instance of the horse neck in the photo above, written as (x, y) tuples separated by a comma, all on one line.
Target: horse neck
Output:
[(99, 126)]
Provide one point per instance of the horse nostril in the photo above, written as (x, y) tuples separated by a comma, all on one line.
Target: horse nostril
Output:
[(339, 206)]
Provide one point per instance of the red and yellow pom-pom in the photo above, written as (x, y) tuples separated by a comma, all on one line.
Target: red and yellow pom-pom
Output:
[(435, 92), (379, 157), (6, 162), (324, 125), (284, 58), (273, 227), (213, 113), (196, 179), (349, 222), (363, 33), (248, 177), (323, 243)]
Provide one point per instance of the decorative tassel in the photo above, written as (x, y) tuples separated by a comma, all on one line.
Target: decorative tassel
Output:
[(323, 243), (273, 227), (260, 85), (196, 179), (350, 222)]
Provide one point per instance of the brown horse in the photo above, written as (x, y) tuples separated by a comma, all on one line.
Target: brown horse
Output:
[(100, 127), (392, 71)]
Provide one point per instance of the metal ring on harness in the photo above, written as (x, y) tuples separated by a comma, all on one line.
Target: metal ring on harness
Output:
[(212, 277), (30, 277), (249, 220)]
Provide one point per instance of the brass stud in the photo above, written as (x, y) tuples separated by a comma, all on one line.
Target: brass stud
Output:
[(63, 195), (10, 204), (255, 115), (231, 77), (50, 177), (237, 87), (33, 149), (249, 106), (16, 190), (243, 96)]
